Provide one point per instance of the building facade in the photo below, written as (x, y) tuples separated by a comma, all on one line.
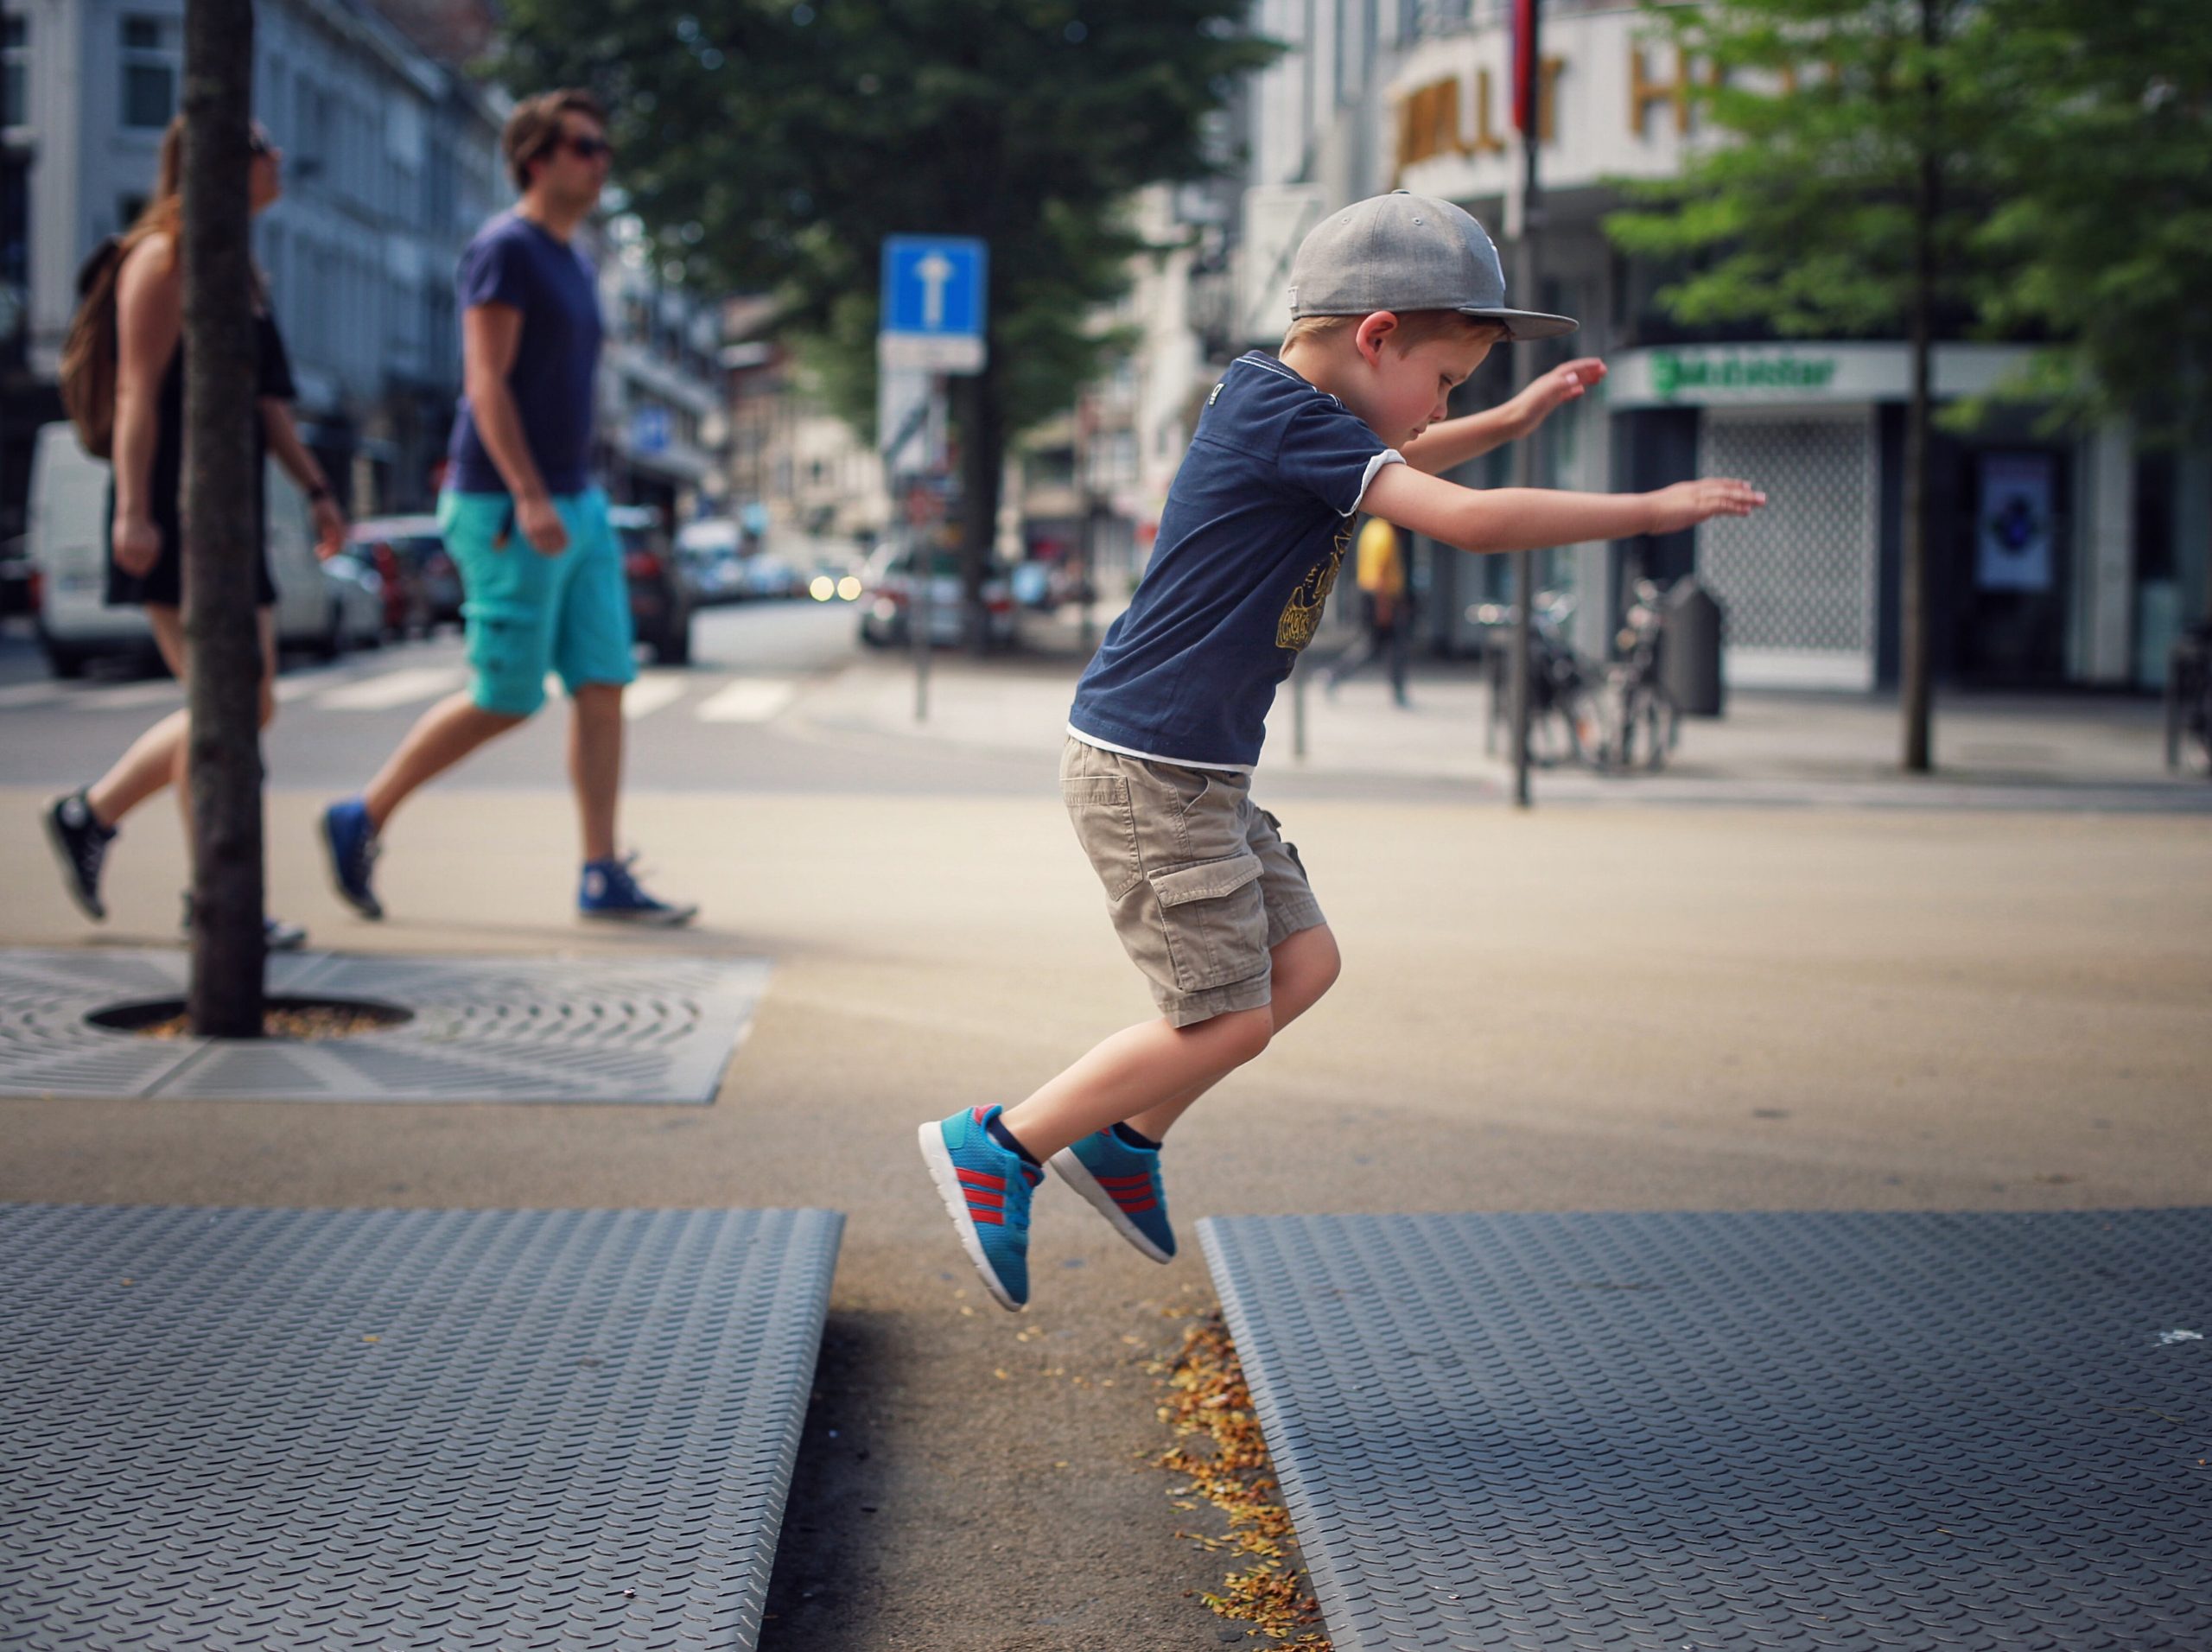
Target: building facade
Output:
[(2055, 560), (390, 162)]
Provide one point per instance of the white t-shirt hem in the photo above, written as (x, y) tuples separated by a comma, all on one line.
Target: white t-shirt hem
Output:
[(1155, 757), (1387, 456)]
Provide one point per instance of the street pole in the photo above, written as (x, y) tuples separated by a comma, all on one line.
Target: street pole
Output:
[(222, 640), (1527, 53)]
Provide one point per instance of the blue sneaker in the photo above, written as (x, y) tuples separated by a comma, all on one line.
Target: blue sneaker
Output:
[(1122, 1184), (352, 843), (610, 892), (986, 1188)]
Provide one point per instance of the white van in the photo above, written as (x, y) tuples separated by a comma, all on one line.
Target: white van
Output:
[(324, 608)]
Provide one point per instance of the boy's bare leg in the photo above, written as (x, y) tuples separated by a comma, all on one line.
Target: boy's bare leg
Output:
[(1148, 1069), (1305, 967), (1131, 1072), (444, 734), (595, 763)]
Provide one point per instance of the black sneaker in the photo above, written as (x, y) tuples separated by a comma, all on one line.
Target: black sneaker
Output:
[(276, 935), (80, 845)]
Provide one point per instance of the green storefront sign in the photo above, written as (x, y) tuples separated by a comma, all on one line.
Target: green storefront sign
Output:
[(1676, 372)]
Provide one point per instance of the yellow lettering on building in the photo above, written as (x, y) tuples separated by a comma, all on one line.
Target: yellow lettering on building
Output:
[(1644, 90), (1429, 123)]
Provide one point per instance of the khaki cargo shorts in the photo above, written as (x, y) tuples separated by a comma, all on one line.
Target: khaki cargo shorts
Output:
[(1199, 878)]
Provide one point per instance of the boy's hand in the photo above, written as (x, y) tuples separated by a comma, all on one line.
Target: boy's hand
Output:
[(1687, 503), (1566, 383)]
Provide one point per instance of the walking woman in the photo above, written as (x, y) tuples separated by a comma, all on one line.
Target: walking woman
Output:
[(145, 564)]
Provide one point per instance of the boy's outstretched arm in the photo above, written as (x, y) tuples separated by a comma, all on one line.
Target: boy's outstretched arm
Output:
[(1534, 519), (1455, 442)]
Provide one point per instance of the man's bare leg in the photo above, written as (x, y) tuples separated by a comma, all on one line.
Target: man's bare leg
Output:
[(595, 764), (443, 735)]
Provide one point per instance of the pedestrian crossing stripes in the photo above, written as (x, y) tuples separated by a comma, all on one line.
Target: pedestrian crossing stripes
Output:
[(653, 691), (707, 697), (390, 689), (748, 700)]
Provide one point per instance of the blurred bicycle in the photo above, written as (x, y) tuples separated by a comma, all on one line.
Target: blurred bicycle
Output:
[(2188, 696), (1613, 717)]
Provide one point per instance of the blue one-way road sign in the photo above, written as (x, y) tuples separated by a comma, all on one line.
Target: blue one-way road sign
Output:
[(933, 297)]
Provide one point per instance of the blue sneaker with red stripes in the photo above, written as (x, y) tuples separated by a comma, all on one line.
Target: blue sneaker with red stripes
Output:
[(986, 1190), (1122, 1184)]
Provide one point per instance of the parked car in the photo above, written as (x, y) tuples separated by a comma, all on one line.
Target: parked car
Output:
[(421, 587), (327, 608), (711, 551), (767, 575), (661, 598), (887, 597)]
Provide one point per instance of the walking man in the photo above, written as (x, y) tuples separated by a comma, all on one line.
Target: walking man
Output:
[(523, 520)]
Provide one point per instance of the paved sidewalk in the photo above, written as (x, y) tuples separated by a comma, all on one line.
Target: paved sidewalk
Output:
[(2033, 752)]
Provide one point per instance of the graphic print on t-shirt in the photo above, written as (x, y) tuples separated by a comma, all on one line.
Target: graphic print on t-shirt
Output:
[(1301, 616)]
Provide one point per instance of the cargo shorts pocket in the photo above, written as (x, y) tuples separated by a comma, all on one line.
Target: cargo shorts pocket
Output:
[(1216, 918), (1106, 825)]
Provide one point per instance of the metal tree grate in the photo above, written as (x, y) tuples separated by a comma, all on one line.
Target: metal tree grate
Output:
[(252, 1429), (1757, 1432), (484, 1029)]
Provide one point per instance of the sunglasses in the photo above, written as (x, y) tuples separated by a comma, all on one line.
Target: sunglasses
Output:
[(590, 149), (256, 145)]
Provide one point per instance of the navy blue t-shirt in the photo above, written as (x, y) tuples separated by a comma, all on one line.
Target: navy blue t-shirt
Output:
[(1255, 525), (515, 262)]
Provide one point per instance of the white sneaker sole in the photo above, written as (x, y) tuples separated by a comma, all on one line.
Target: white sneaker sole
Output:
[(1070, 1169), (947, 1178), (675, 918)]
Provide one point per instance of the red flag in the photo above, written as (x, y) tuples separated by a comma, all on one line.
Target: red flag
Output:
[(1525, 75)]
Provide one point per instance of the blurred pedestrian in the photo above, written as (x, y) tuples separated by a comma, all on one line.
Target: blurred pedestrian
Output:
[(1385, 608), (144, 281), (1397, 300), (523, 520)]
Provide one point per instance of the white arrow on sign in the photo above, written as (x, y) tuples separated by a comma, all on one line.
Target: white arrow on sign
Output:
[(935, 271)]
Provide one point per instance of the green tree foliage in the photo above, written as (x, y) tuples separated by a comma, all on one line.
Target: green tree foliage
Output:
[(1844, 174), (775, 145), (2103, 214), (1798, 207)]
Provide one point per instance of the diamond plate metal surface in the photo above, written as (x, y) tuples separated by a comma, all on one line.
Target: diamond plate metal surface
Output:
[(1657, 1432), (249, 1429), (489, 1029)]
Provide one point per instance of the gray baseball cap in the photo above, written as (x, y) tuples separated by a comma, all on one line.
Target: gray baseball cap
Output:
[(1408, 253)]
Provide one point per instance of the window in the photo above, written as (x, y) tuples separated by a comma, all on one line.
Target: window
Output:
[(15, 50), (127, 208), (149, 70)]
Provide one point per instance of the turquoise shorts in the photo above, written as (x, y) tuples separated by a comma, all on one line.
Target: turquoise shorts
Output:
[(527, 613)]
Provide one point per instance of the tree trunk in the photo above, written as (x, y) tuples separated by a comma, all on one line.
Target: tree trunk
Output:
[(1915, 637), (982, 425), (222, 640)]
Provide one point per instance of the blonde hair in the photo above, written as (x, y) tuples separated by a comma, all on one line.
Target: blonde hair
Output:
[(1415, 328)]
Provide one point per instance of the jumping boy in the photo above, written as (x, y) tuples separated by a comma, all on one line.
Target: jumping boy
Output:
[(1396, 300)]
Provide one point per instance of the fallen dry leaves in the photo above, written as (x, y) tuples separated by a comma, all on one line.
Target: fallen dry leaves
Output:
[(1220, 1457)]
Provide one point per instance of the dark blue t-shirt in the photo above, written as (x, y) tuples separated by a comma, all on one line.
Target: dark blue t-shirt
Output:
[(1256, 523), (515, 262)]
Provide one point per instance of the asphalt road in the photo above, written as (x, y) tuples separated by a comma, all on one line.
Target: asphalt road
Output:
[(723, 724)]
